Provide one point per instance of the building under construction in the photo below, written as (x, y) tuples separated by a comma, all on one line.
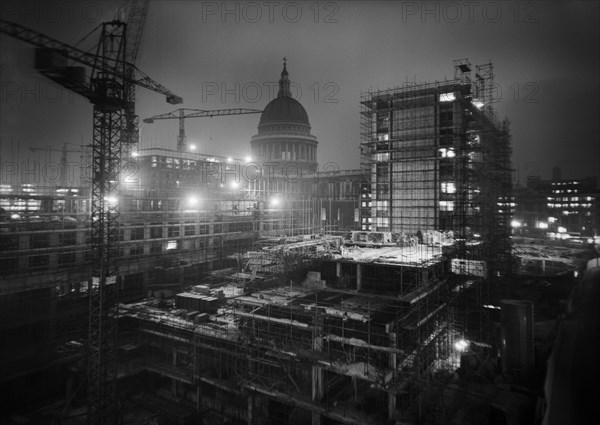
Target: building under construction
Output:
[(366, 327), (344, 298), (356, 342), (439, 160)]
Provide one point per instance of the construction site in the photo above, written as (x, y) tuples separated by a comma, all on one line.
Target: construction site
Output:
[(189, 295)]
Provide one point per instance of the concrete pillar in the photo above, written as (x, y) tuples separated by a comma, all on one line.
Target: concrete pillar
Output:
[(198, 397), (317, 383), (52, 322), (250, 406), (392, 414), (69, 392), (174, 381), (317, 372), (317, 378), (359, 276), (316, 418), (393, 358)]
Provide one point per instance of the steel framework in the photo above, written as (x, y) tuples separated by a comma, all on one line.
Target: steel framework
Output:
[(110, 90)]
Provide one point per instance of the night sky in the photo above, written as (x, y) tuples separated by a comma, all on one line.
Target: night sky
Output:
[(216, 55)]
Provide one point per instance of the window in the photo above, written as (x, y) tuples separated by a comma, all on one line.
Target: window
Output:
[(156, 248), (8, 243), (39, 262), (447, 97), (173, 231), (66, 258), (137, 249), (9, 265), (448, 187), (382, 179), (189, 230), (171, 245), (446, 153), (446, 205), (156, 231), (39, 241), (446, 169), (137, 233), (446, 119)]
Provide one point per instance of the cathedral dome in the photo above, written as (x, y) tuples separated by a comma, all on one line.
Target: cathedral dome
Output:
[(284, 109), (284, 130)]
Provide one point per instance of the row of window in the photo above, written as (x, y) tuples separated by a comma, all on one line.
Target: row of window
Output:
[(69, 258), (177, 163), (37, 241), (571, 205), (569, 198), (562, 191)]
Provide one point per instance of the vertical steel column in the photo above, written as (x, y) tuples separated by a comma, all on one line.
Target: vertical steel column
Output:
[(103, 292)]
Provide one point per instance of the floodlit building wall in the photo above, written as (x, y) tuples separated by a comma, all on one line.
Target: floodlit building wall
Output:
[(439, 160)]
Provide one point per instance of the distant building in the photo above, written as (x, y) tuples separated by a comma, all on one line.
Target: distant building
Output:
[(574, 203), (284, 147), (180, 218), (283, 169), (571, 204), (339, 195), (531, 213)]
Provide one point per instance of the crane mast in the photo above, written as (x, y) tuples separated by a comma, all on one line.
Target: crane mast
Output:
[(138, 9), (106, 162), (110, 92)]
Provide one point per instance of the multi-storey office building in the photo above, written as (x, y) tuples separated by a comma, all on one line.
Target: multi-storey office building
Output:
[(549, 204), (574, 202), (438, 159)]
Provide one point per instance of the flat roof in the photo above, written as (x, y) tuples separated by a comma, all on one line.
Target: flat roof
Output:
[(413, 255)]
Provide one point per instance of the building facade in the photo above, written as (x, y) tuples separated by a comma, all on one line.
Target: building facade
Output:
[(546, 205), (438, 159)]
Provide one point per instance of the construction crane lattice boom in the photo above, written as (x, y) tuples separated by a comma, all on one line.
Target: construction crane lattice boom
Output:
[(182, 113)]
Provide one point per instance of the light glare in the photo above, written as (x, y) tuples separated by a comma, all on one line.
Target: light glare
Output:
[(461, 345)]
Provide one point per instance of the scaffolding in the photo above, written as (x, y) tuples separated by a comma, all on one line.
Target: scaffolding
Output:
[(295, 352), (439, 160)]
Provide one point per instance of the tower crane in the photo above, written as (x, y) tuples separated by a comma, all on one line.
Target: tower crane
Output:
[(109, 90), (183, 113), (136, 18), (63, 158)]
